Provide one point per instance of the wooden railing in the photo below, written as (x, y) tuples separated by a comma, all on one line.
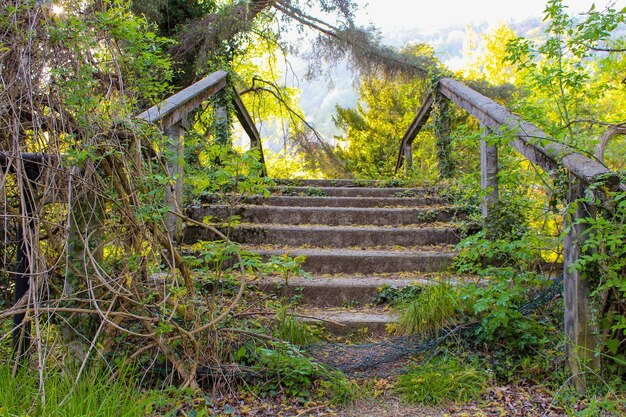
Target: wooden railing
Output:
[(172, 114), (537, 147)]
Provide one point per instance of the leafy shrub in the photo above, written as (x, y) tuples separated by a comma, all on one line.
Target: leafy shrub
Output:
[(498, 304), (478, 252), (282, 369), (439, 382), (218, 170)]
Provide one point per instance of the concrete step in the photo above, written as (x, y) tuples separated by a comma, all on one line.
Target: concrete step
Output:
[(344, 321), (343, 291), (336, 183), (333, 236), (351, 191), (316, 201), (350, 261), (332, 216)]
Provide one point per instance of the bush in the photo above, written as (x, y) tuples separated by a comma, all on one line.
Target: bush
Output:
[(498, 304)]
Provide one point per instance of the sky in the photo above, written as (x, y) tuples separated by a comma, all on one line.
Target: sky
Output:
[(390, 15)]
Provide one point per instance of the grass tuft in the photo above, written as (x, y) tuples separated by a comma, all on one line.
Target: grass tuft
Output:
[(296, 332), (441, 382), (434, 308)]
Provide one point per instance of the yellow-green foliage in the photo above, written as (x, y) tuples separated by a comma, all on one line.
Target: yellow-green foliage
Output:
[(95, 394), (296, 332), (373, 130), (285, 164)]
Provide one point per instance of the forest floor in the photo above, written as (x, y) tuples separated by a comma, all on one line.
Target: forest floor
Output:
[(509, 400)]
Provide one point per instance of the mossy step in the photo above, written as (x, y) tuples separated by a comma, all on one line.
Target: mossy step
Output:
[(325, 201), (333, 261), (347, 321), (333, 216), (354, 290), (390, 192), (335, 183), (333, 236)]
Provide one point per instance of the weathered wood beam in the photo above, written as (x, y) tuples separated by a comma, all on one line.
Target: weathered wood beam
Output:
[(581, 332), (408, 157), (416, 125), (250, 128), (529, 140), (177, 107), (488, 178), (174, 190)]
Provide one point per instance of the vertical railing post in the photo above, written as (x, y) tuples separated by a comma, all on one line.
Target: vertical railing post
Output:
[(174, 191), (222, 118), (488, 178), (408, 158), (579, 330), (443, 134)]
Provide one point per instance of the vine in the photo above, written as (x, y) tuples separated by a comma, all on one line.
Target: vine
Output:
[(443, 127)]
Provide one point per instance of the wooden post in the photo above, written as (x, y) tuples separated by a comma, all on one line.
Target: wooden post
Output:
[(488, 177), (581, 334), (174, 191), (222, 118), (408, 158), (443, 133)]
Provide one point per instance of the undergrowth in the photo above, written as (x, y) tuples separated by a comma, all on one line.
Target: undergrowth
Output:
[(442, 381), (96, 394), (279, 368)]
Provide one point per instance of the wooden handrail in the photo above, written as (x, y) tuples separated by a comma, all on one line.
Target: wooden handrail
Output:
[(171, 114), (248, 125), (416, 125), (529, 140), (533, 143), (174, 109)]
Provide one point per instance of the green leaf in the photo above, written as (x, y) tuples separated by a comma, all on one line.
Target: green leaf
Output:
[(612, 345)]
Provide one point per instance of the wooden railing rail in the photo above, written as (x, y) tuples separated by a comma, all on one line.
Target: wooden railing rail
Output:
[(420, 120), (529, 140), (172, 114), (536, 146)]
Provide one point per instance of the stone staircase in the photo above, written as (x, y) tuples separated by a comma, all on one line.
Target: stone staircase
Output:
[(357, 237)]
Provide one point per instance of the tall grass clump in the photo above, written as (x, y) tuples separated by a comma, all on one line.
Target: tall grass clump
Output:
[(435, 307), (296, 332), (94, 395), (440, 382)]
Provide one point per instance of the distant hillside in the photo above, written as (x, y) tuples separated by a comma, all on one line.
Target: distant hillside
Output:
[(319, 97)]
